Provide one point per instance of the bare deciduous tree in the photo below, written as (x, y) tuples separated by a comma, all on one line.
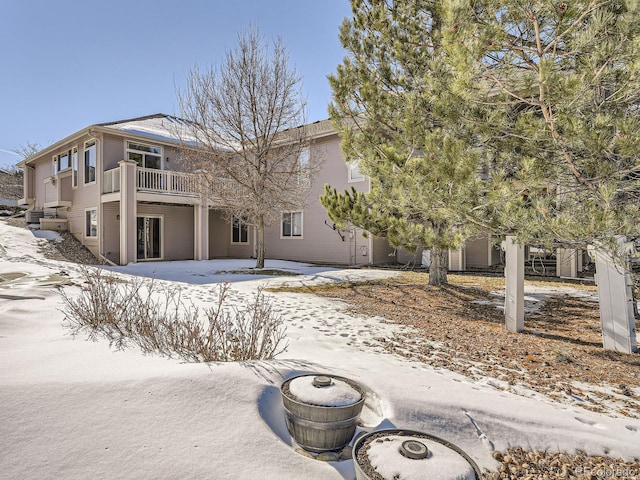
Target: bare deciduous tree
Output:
[(245, 134), (28, 149)]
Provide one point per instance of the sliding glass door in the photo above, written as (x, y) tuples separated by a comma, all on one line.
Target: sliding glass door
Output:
[(149, 238)]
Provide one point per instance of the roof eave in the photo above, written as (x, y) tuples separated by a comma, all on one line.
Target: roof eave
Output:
[(54, 146)]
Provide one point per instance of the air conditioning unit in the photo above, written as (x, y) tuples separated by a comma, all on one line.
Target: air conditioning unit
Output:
[(33, 216)]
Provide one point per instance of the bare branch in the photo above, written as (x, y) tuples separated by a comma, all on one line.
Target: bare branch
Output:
[(247, 133)]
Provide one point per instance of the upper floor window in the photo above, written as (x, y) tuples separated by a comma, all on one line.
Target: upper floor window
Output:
[(303, 157), (292, 224), (62, 162), (239, 231), (90, 162), (304, 172), (354, 172), (65, 160), (147, 156), (74, 167)]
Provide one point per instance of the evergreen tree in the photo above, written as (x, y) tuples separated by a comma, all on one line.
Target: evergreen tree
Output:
[(554, 90), (401, 122), (517, 117)]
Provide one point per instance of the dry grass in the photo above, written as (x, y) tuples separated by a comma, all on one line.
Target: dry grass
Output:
[(559, 354)]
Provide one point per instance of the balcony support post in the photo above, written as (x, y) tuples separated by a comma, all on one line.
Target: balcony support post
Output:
[(201, 230), (128, 212)]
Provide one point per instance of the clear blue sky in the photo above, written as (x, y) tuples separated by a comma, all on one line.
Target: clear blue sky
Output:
[(67, 64)]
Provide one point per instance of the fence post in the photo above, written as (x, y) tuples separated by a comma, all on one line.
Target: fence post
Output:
[(514, 285), (617, 316)]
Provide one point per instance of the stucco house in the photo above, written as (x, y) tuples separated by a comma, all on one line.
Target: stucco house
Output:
[(119, 188)]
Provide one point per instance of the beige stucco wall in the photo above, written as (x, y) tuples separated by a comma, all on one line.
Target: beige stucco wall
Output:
[(43, 168), (383, 252), (114, 151), (111, 231), (28, 183), (177, 226), (477, 252), (217, 240), (220, 239), (319, 242), (85, 196), (457, 260), (568, 262), (406, 257), (178, 223), (81, 197)]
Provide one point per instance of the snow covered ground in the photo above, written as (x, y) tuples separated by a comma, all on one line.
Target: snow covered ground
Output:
[(75, 409)]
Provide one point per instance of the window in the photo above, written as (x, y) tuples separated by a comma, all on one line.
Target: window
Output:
[(91, 222), (61, 162), (354, 172), (146, 156), (303, 158), (292, 224), (304, 173), (74, 167), (64, 161), (239, 231), (90, 162)]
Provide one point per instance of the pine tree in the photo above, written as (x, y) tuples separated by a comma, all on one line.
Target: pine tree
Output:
[(554, 92), (517, 117), (401, 122)]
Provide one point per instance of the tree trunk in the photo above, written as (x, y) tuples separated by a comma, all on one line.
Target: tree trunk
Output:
[(439, 266), (260, 243)]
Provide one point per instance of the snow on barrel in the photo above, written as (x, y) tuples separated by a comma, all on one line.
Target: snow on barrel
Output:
[(324, 391), (391, 454), (321, 411)]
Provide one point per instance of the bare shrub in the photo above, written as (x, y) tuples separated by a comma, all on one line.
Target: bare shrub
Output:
[(253, 333), (157, 319)]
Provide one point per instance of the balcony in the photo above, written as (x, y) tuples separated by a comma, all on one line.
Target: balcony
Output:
[(151, 180), (166, 182), (111, 181), (164, 186)]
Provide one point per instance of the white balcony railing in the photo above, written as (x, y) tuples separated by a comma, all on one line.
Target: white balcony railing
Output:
[(166, 181), (153, 180), (111, 181)]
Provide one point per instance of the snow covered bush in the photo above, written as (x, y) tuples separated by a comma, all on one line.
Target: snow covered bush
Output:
[(155, 317)]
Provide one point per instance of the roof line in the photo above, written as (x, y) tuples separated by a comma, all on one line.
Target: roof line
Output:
[(319, 132), (145, 117)]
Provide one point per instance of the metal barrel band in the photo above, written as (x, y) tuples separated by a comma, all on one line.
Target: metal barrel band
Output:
[(303, 422)]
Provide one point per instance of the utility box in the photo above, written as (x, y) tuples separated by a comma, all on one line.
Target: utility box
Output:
[(33, 216)]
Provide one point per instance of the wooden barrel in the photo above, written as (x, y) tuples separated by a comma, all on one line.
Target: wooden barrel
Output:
[(321, 428), (412, 454)]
